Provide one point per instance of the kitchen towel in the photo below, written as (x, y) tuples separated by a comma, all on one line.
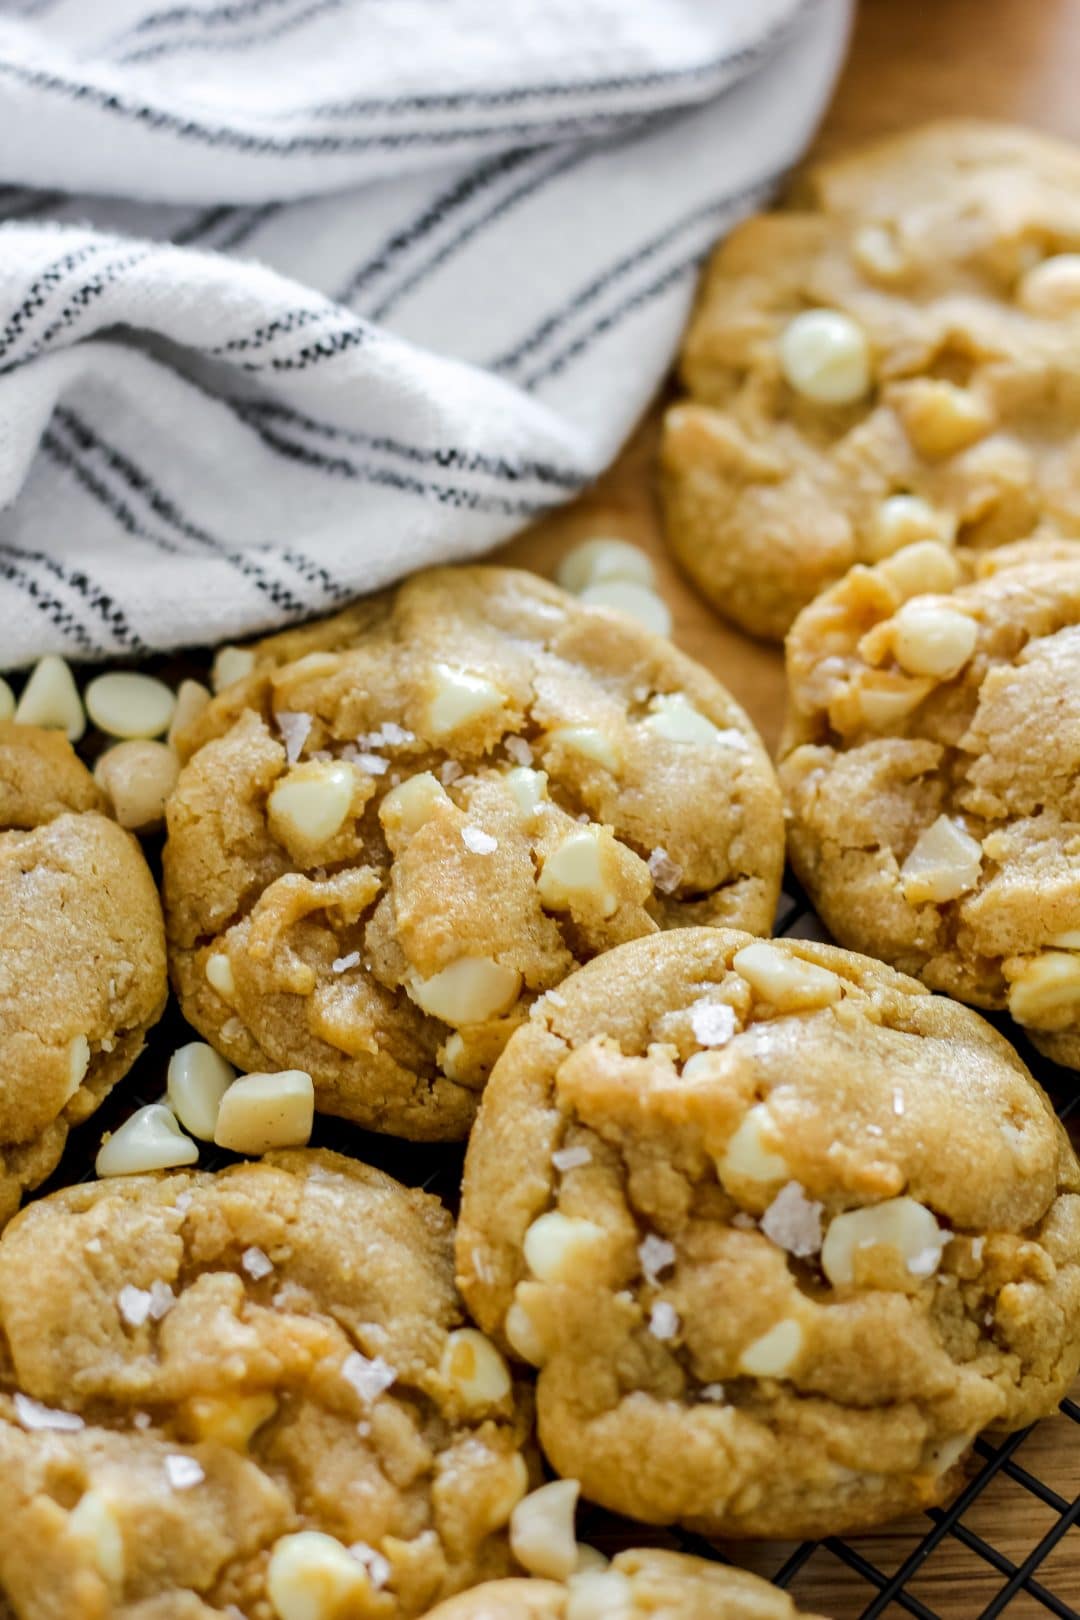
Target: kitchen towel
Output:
[(299, 295)]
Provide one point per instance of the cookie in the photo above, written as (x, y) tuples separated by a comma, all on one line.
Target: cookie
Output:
[(889, 358), (212, 1386), (82, 963), (407, 822), (640, 1582), (930, 765), (781, 1231)]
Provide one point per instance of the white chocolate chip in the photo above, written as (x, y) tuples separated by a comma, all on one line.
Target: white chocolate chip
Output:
[(311, 802), (589, 1559), (521, 1335), (78, 1057), (412, 804), (474, 1369), (150, 1140), (191, 699), (898, 1223), (944, 863), (825, 357), (775, 1353), (311, 1576), (50, 699), (589, 742), (231, 664), (923, 567), (469, 991), (904, 520), (556, 1246), (793, 1221), (750, 1155), (1044, 990), (1052, 288), (542, 1530), (1067, 940), (230, 1420), (477, 841), (93, 1523), (219, 974), (528, 787), (126, 704), (34, 1415), (601, 559), (263, 1111), (673, 717), (7, 700), (457, 698), (930, 638), (636, 601), (595, 1594), (573, 875), (941, 418), (788, 982), (198, 1078), (138, 777), (878, 251)]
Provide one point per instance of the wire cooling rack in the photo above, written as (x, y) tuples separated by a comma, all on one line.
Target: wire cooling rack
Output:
[(1004, 1546)]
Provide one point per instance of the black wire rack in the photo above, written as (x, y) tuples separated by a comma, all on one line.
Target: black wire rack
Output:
[(1003, 1546)]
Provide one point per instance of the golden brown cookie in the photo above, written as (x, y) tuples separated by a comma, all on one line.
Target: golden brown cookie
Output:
[(409, 821), (82, 958), (641, 1584), (212, 1386), (889, 358), (931, 765), (782, 1232)]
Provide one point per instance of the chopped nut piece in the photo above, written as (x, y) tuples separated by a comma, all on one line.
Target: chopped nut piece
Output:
[(944, 863), (124, 703), (775, 1353), (930, 638), (601, 559), (899, 1223), (198, 1078), (557, 1246), (150, 1140), (902, 520), (263, 1111), (542, 1530), (51, 699), (470, 990), (473, 1367), (825, 357)]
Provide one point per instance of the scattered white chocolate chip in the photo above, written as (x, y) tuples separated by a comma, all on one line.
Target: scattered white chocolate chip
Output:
[(369, 1376), (342, 964), (150, 1140), (1044, 990), (36, 1415), (256, 1262), (713, 1022), (923, 568), (310, 1576), (50, 699), (474, 1369), (601, 559), (191, 699), (124, 703), (477, 841), (1051, 288), (230, 1420), (570, 1158), (789, 982), (878, 251), (636, 601), (138, 777), (542, 1530), (904, 520), (457, 698), (599, 1594), (573, 875), (412, 804), (825, 357), (663, 1321), (898, 1223), (231, 664), (749, 1155), (469, 991), (93, 1523), (219, 974), (656, 1255), (198, 1078), (774, 1354), (263, 1111), (557, 1245), (931, 638), (589, 742), (78, 1061), (944, 863), (898, 1102), (311, 801), (588, 1560), (528, 787), (673, 717), (522, 1336), (1067, 940), (941, 418), (7, 700), (295, 728), (793, 1221)]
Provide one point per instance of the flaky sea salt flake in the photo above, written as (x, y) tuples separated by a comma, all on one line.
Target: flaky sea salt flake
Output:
[(665, 873), (183, 1473), (369, 1376), (134, 1304), (664, 1321), (793, 1221), (378, 1567), (571, 1158), (36, 1415), (295, 727), (342, 964), (477, 841), (256, 1262), (713, 1022), (656, 1255)]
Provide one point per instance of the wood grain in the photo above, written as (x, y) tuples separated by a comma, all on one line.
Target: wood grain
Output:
[(910, 60)]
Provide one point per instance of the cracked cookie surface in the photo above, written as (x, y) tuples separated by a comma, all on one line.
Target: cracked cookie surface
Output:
[(411, 820), (640, 1582), (930, 767), (82, 967), (204, 1377), (781, 1231), (937, 398)]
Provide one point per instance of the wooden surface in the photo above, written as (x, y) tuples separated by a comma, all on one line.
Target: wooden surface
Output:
[(909, 60)]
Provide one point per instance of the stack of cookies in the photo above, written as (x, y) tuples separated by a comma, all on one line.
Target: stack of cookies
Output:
[(756, 1236)]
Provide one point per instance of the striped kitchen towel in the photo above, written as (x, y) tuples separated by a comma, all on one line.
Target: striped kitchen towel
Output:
[(299, 295)]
